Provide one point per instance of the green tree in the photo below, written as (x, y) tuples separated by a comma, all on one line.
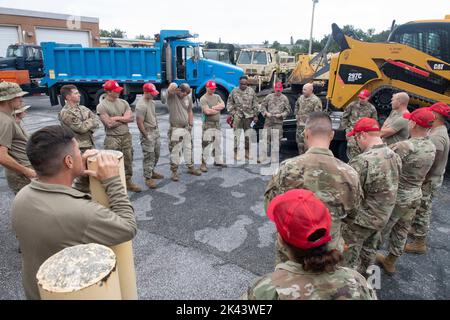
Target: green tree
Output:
[(142, 37), (116, 33)]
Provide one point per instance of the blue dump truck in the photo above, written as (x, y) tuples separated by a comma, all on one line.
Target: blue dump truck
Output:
[(174, 58)]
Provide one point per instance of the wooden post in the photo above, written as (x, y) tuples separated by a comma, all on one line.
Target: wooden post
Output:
[(83, 272), (124, 251)]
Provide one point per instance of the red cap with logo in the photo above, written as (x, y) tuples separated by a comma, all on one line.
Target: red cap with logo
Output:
[(302, 220), (364, 94), (150, 87), (423, 117), (441, 108), (279, 87), (365, 125), (112, 85), (211, 84)]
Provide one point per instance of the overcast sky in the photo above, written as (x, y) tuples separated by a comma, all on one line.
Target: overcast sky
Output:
[(241, 21)]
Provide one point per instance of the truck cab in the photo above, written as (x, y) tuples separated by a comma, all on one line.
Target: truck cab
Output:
[(24, 57)]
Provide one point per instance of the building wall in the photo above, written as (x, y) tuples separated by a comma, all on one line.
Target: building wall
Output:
[(27, 26)]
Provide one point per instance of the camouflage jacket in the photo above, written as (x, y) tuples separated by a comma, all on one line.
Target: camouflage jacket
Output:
[(291, 282), (379, 171), (243, 103), (274, 105), (355, 111), (417, 156), (82, 121), (305, 106)]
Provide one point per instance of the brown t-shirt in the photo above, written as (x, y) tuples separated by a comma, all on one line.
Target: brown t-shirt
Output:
[(13, 137), (439, 136), (396, 122), (209, 101), (179, 110), (114, 109), (145, 109)]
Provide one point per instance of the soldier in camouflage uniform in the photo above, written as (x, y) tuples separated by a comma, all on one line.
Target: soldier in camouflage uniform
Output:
[(211, 104), (334, 182), (13, 139), (243, 106), (82, 122), (305, 105), (379, 169), (303, 223), (148, 127), (352, 113), (116, 114), (275, 108), (433, 181), (417, 156)]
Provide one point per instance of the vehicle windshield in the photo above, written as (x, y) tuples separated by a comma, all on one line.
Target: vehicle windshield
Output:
[(259, 58), (14, 51), (245, 57)]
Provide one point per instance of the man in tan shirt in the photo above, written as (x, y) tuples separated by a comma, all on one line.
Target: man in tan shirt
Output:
[(116, 114), (13, 139), (181, 119), (395, 128), (49, 215)]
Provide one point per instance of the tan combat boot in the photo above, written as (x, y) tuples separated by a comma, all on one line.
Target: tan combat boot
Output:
[(417, 246), (157, 176), (194, 172), (150, 183), (132, 187), (203, 167), (175, 176), (388, 263), (220, 164)]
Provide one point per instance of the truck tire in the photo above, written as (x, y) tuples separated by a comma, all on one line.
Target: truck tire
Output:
[(130, 98), (99, 96), (224, 96)]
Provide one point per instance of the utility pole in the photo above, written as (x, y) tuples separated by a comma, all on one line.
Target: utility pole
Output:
[(312, 25)]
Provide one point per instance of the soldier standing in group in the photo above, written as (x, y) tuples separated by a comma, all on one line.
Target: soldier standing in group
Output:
[(417, 156), (352, 113), (395, 128), (211, 104), (116, 114), (150, 139), (433, 181), (82, 122), (334, 182), (181, 118), (243, 107), (379, 170), (13, 140), (275, 108), (305, 105), (312, 271)]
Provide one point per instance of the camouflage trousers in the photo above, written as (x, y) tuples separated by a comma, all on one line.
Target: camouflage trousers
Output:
[(151, 146), (421, 221), (272, 129), (123, 144), (211, 141), (16, 181), (362, 245), (337, 242), (353, 149), (241, 125), (300, 138), (81, 183), (180, 143), (398, 227)]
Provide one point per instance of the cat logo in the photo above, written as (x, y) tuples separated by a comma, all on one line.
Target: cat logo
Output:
[(354, 76)]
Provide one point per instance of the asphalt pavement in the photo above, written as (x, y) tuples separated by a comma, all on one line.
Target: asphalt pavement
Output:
[(208, 237)]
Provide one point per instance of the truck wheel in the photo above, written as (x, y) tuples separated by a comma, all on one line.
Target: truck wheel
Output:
[(130, 98), (100, 96), (224, 96)]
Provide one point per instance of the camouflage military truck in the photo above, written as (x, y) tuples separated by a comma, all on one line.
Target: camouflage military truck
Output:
[(263, 66)]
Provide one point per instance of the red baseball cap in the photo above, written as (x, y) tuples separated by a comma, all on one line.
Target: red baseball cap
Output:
[(211, 84), (112, 85), (150, 87), (365, 125), (279, 87), (441, 108), (364, 94), (299, 214), (424, 117)]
